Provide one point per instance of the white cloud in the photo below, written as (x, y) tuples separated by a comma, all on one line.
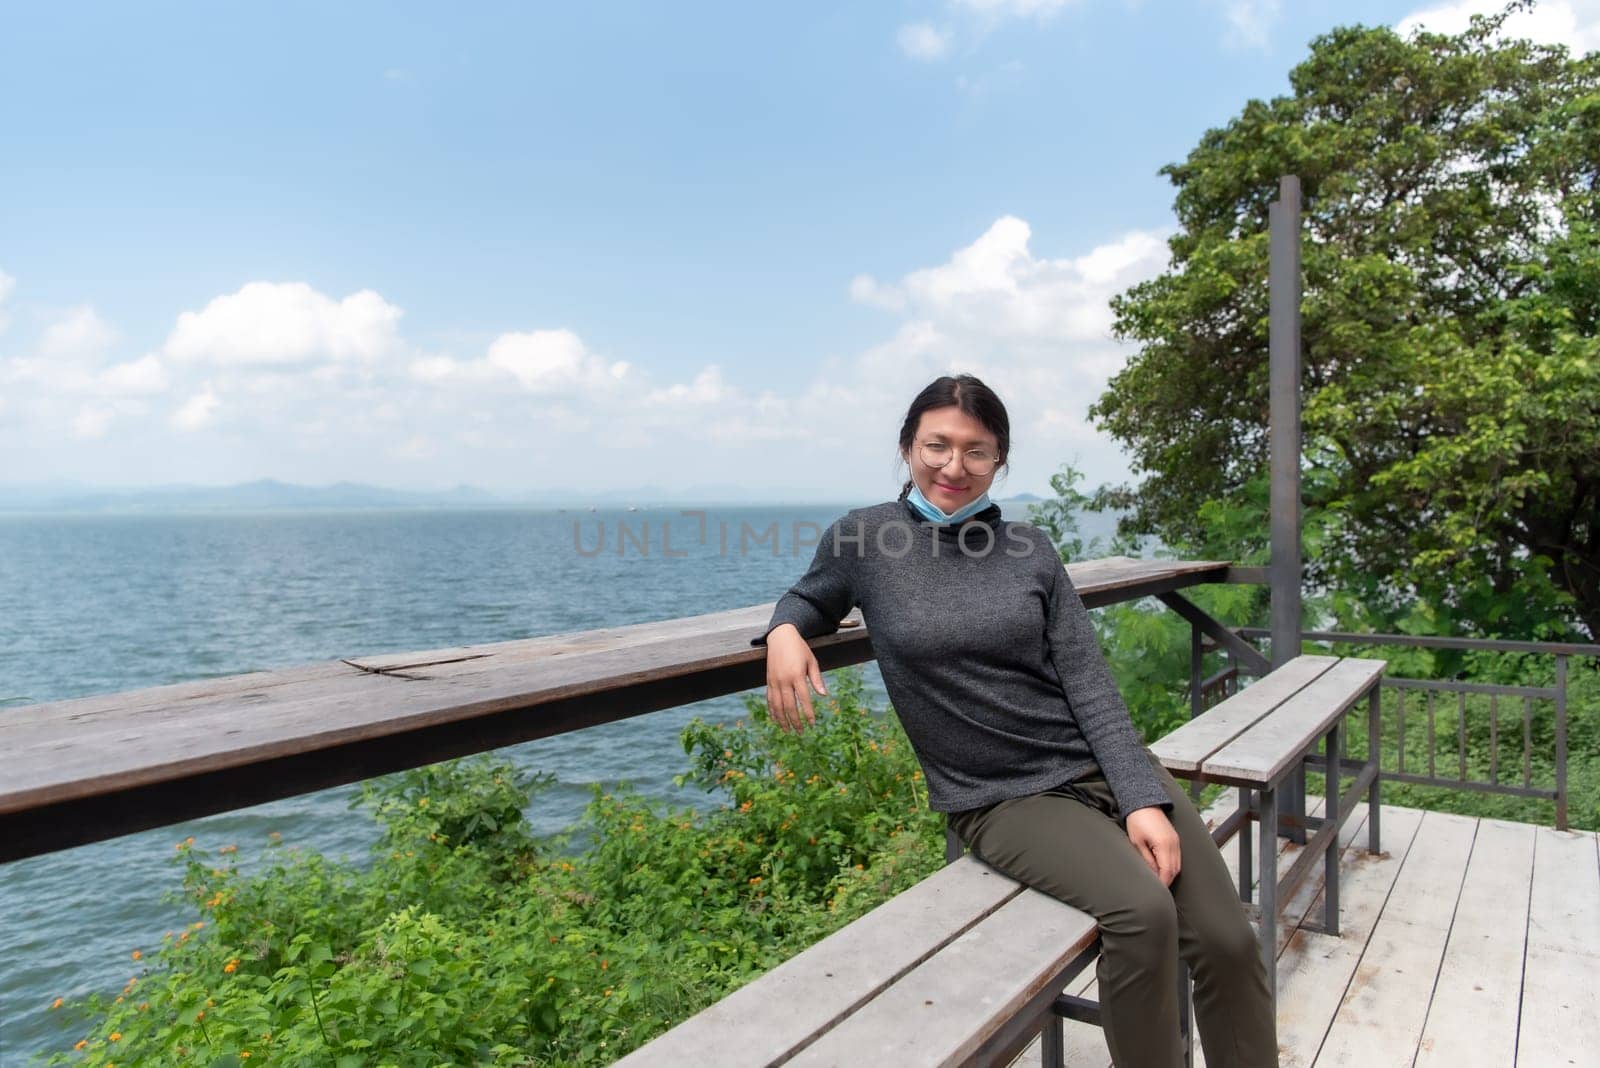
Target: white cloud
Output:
[(920, 40), (199, 411), (997, 287), (78, 332), (1574, 23), (553, 361), (144, 375), (1249, 22), (267, 323)]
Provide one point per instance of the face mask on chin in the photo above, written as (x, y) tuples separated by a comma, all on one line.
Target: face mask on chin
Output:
[(932, 512)]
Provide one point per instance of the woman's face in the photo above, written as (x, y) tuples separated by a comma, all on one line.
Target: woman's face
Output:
[(951, 486)]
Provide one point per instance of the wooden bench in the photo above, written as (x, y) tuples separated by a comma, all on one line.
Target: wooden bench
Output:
[(963, 968), (968, 965), (1259, 737)]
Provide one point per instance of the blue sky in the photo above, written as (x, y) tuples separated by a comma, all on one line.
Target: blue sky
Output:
[(539, 246)]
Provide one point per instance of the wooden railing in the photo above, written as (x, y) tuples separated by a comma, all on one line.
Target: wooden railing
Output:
[(84, 770)]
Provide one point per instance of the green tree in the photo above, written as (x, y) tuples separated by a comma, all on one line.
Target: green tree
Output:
[(1451, 368)]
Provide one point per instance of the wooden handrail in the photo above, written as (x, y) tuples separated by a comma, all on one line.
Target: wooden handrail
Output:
[(92, 768)]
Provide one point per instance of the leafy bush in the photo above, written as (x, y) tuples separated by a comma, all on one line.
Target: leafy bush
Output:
[(464, 940)]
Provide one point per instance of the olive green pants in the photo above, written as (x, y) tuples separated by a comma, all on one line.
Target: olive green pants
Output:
[(1070, 843)]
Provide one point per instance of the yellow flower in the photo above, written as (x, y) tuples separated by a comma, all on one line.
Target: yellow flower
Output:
[(244, 1053), (754, 880), (608, 991), (232, 966), (116, 1036)]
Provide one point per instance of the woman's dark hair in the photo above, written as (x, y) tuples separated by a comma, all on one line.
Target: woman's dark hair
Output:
[(970, 395)]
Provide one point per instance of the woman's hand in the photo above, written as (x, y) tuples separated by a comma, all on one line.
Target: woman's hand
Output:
[(1153, 835), (791, 666)]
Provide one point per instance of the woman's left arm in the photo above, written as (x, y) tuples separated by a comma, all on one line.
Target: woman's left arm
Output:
[(1098, 707)]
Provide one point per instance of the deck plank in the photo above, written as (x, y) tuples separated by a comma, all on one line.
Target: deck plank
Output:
[(1380, 1018), (1472, 1019), (1561, 972), (1314, 970)]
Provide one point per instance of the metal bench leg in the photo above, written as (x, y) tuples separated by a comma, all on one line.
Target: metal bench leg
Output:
[(1052, 1042), (1246, 876), (1334, 748), (1374, 755), (1268, 897)]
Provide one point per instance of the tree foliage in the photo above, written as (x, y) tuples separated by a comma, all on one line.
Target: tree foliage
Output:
[(1451, 370)]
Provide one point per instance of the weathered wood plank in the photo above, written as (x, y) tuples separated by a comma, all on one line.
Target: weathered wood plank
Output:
[(96, 767), (1278, 740), (1380, 1018), (1473, 1017), (930, 1017), (1186, 748), (765, 1020), (1561, 972)]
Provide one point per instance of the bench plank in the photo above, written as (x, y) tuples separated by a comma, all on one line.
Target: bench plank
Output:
[(768, 1018), (1186, 748), (1276, 743), (946, 1009)]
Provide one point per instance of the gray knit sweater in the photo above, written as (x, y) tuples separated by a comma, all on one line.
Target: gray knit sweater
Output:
[(986, 650)]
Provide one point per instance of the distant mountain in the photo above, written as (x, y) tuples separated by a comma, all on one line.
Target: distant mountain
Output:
[(262, 495), (271, 495)]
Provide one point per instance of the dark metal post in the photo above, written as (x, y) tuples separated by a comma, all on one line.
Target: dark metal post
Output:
[(1561, 743), (1196, 699), (1284, 446)]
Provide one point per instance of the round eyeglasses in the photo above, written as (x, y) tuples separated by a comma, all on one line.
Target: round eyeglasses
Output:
[(978, 462)]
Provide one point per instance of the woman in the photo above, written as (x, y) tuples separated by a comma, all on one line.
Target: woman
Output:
[(992, 665)]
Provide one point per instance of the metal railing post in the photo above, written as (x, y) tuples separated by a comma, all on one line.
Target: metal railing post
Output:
[(1561, 743)]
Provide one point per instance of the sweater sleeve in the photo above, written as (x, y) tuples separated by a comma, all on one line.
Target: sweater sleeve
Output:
[(1092, 693), (824, 594)]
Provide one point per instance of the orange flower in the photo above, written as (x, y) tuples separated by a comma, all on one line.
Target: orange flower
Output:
[(745, 807), (604, 965), (201, 1015), (57, 1003), (608, 991), (137, 954), (116, 1036), (232, 966), (754, 880), (82, 1042)]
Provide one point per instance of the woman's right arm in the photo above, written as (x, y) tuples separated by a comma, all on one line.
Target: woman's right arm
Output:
[(812, 607)]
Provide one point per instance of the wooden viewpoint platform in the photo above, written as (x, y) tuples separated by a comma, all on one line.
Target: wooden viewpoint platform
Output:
[(1465, 943), (84, 770)]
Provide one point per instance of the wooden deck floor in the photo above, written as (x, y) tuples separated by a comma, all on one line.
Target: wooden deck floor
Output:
[(1465, 942)]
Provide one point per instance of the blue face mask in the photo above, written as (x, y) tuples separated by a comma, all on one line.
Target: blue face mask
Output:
[(932, 512)]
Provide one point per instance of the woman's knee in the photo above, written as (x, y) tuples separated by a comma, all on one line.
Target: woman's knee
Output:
[(1228, 941), (1146, 919)]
